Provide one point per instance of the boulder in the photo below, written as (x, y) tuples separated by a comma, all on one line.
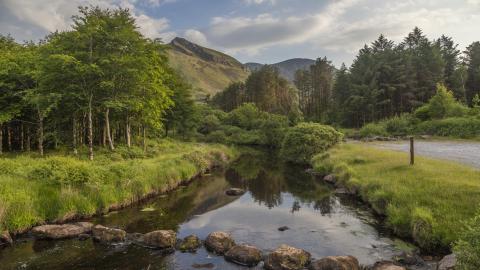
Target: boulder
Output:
[(244, 255), (62, 231), (235, 192), (189, 244), (5, 238), (335, 263), (287, 258), (219, 242), (160, 239), (330, 179), (448, 262), (387, 266), (108, 235), (283, 228)]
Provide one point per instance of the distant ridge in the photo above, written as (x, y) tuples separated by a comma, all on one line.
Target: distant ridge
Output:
[(209, 71), (286, 68)]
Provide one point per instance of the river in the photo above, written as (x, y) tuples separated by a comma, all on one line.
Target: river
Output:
[(277, 195)]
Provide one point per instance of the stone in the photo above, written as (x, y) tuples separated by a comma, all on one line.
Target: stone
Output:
[(287, 258), (448, 262), (235, 192), (330, 179), (409, 258), (189, 243), (108, 235), (5, 238), (335, 263), (62, 231), (219, 242), (160, 239), (244, 255), (203, 265), (283, 228), (384, 265)]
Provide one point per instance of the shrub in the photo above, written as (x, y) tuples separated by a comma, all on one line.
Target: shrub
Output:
[(441, 105), (398, 125), (305, 140), (463, 127), (373, 129), (467, 247)]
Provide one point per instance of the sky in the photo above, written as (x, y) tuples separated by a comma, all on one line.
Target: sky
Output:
[(264, 31)]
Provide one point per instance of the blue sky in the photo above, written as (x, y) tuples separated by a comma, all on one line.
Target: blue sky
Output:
[(265, 31)]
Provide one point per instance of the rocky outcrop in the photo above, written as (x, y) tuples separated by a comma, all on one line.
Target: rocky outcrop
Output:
[(235, 192), (108, 235), (287, 258), (335, 262), (244, 255), (161, 239), (387, 266), (5, 239), (219, 242), (448, 262), (62, 231), (189, 243)]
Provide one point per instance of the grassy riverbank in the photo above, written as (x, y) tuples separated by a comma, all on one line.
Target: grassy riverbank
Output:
[(428, 201), (35, 190)]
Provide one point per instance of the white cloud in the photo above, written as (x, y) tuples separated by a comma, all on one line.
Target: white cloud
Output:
[(51, 15), (196, 37), (258, 2)]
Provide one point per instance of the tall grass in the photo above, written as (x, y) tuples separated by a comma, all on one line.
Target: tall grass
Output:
[(58, 187), (428, 201)]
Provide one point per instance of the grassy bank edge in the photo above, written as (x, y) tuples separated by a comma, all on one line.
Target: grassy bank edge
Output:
[(37, 191), (427, 203)]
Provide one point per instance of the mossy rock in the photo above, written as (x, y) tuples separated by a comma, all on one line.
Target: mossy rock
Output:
[(189, 244)]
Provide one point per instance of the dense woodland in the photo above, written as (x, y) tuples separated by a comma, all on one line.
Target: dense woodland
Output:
[(98, 84), (385, 80)]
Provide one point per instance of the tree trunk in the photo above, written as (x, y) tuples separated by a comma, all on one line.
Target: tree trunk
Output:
[(28, 142), (74, 135), (107, 127), (128, 133), (22, 137), (1, 139), (104, 137), (90, 129), (144, 139), (40, 133), (9, 137)]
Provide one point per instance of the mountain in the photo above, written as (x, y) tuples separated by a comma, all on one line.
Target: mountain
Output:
[(208, 71), (286, 68)]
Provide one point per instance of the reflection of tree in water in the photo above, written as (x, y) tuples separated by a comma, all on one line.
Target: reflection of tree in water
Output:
[(266, 178)]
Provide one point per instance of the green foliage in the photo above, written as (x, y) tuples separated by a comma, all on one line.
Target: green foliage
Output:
[(467, 247), (373, 129), (442, 105), (398, 125), (460, 127), (304, 140)]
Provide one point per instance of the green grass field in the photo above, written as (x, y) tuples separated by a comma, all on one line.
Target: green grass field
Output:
[(35, 190), (428, 202)]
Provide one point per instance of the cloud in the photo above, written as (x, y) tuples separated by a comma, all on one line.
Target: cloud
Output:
[(258, 2), (196, 37), (39, 17)]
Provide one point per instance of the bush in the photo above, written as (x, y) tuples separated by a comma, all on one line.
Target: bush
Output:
[(463, 127), (467, 248), (373, 129), (442, 105), (305, 140), (398, 125)]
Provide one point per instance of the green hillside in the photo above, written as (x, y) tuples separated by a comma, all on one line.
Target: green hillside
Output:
[(209, 71)]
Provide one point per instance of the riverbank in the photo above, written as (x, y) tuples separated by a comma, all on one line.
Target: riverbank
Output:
[(60, 187), (427, 202)]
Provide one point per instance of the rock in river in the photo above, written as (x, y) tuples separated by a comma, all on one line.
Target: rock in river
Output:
[(219, 242), (448, 262), (62, 231), (235, 192), (244, 255), (189, 243), (161, 239), (287, 258), (5, 238), (335, 262), (387, 266), (108, 235)]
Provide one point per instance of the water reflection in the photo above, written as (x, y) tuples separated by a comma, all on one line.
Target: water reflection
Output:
[(278, 195)]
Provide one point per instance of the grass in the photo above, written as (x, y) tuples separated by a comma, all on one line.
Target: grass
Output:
[(427, 202), (58, 187)]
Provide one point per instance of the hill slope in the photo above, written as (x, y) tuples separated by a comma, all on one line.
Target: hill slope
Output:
[(286, 68), (208, 71)]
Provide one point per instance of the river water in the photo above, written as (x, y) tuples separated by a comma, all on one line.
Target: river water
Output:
[(277, 195)]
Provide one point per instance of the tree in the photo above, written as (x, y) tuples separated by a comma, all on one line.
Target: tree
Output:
[(472, 60)]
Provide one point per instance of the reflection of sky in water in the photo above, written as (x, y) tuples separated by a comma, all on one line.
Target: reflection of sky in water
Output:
[(319, 222)]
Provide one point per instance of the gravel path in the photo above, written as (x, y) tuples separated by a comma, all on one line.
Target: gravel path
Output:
[(460, 151)]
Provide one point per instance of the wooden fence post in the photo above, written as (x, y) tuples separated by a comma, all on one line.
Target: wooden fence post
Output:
[(412, 151)]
